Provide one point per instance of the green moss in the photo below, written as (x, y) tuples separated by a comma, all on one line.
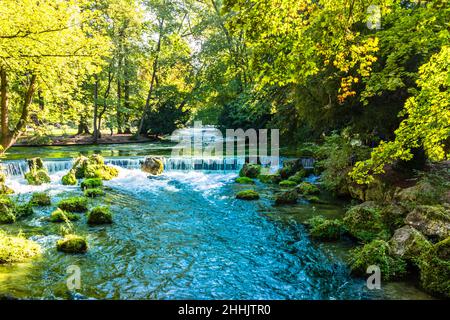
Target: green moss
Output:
[(314, 199), (325, 229), (306, 188), (99, 215), (23, 210), (93, 193), (287, 183), (365, 222), (40, 199), (16, 248), (37, 177), (61, 216), (377, 253), (250, 170), (298, 176), (286, 197), (244, 180), (290, 167), (7, 215), (93, 167), (269, 178), (435, 269), (91, 183), (74, 204), (4, 189), (409, 244), (247, 195), (69, 179), (72, 244)]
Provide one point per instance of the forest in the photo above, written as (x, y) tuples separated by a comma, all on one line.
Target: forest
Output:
[(360, 86)]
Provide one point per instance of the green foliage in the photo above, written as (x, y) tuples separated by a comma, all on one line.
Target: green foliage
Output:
[(40, 199), (72, 244), (59, 215), (377, 253), (247, 195), (306, 188), (17, 248), (23, 210), (91, 183), (244, 180), (325, 229), (269, 178), (287, 183), (93, 193), (99, 215), (298, 176), (74, 204)]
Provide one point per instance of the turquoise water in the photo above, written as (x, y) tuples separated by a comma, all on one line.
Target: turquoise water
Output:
[(183, 235)]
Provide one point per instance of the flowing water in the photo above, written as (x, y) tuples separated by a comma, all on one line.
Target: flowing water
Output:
[(183, 235)]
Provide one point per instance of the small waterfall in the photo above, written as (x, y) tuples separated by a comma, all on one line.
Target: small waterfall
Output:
[(308, 163), (58, 165), (127, 163), (14, 168)]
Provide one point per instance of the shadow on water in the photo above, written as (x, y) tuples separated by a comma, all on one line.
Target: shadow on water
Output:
[(183, 235)]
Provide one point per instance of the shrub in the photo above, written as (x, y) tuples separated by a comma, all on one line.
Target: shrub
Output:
[(325, 229), (244, 180), (61, 216), (247, 195), (72, 244), (377, 253), (99, 215), (74, 204), (95, 192), (7, 215), (40, 199), (16, 248)]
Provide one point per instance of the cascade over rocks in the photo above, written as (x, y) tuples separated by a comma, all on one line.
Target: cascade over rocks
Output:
[(38, 173)]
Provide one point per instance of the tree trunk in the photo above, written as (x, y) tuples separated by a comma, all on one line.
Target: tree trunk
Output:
[(119, 114), (96, 128), (83, 127), (4, 106)]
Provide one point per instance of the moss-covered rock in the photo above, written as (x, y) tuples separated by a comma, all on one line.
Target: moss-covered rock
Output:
[(408, 243), (435, 269), (377, 253), (298, 176), (7, 215), (250, 170), (393, 215), (62, 216), (74, 204), (287, 184), (72, 244), (286, 197), (38, 173), (91, 183), (4, 189), (40, 199), (306, 188), (153, 165), (314, 199), (290, 167), (247, 195), (69, 179), (99, 215), (23, 210), (16, 248), (365, 222), (93, 193), (93, 167), (244, 180), (269, 178), (325, 229), (432, 221)]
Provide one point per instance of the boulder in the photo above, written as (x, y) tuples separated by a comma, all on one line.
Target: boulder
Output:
[(250, 170), (247, 195), (290, 167), (59, 215), (74, 204), (72, 244), (286, 197), (287, 183), (69, 179), (432, 221), (325, 229), (408, 243), (153, 165), (38, 173), (92, 167), (99, 215), (365, 222)]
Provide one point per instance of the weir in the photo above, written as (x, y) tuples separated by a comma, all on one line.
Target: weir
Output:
[(19, 167)]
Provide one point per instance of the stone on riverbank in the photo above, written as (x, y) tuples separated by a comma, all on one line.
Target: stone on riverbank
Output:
[(153, 165), (247, 195), (72, 244), (408, 243), (432, 221), (250, 170), (377, 253), (365, 222)]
